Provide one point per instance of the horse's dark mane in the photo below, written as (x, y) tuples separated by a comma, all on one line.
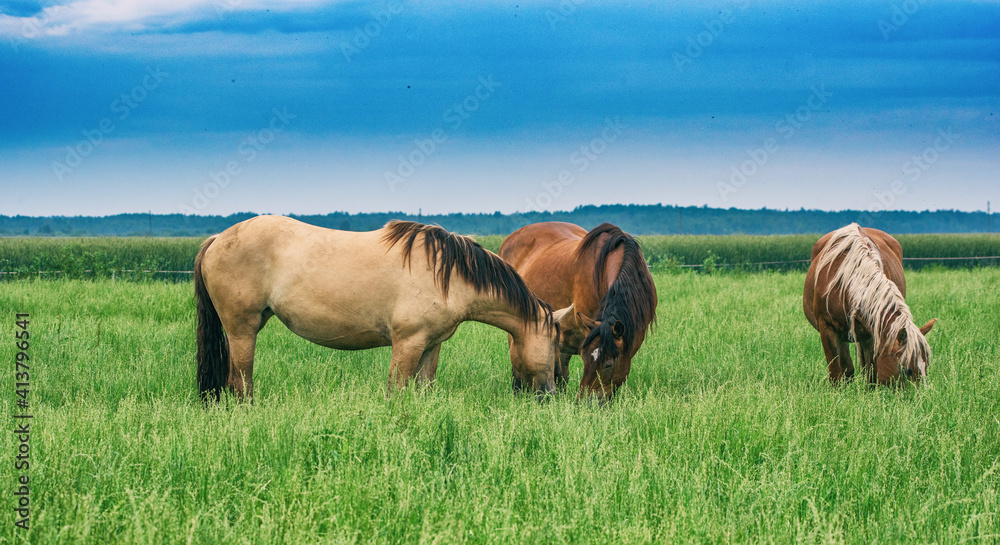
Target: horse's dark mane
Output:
[(484, 270), (631, 299)]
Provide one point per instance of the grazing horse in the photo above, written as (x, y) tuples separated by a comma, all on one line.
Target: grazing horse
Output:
[(854, 292), (406, 285), (603, 275)]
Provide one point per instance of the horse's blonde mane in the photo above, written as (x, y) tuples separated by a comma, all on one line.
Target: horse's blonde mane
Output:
[(869, 296)]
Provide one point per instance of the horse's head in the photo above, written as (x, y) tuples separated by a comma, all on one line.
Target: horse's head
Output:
[(574, 327), (601, 345), (607, 356), (583, 335), (905, 355), (535, 352), (604, 343)]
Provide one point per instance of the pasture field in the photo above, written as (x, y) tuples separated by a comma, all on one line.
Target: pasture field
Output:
[(726, 431), (127, 257)]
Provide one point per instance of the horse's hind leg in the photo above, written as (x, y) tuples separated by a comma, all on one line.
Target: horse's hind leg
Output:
[(242, 344), (241, 351)]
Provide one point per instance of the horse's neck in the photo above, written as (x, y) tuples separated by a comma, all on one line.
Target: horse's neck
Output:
[(499, 314), (612, 267), (875, 303)]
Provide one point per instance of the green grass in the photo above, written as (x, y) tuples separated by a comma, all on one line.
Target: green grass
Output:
[(727, 430), (98, 256), (741, 250), (109, 257)]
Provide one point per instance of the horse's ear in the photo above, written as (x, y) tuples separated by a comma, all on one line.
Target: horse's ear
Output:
[(927, 327), (562, 316), (617, 329), (586, 320)]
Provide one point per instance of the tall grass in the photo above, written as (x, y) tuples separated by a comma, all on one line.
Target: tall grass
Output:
[(727, 430), (97, 257), (130, 257), (747, 250)]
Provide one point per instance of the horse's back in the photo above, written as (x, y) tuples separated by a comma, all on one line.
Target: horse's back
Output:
[(269, 249), (815, 298), (547, 237), (544, 254), (821, 302)]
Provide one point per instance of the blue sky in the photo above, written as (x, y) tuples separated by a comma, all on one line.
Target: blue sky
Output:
[(303, 106)]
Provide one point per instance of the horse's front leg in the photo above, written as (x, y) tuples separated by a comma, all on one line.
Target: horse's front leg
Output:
[(427, 368), (838, 355), (406, 357), (866, 353), (562, 370)]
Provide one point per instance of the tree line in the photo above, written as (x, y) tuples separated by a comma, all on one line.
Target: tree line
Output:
[(636, 219)]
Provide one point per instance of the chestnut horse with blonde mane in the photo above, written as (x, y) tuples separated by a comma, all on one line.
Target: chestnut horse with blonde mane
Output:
[(406, 285), (854, 292), (604, 276)]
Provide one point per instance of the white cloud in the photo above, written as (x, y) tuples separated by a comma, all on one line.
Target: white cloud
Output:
[(133, 15)]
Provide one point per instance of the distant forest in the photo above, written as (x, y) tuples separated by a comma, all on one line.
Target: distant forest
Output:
[(635, 219)]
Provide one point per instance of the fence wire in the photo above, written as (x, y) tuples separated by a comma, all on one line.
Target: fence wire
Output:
[(696, 265)]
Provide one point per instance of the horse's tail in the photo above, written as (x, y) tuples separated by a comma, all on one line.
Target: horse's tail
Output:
[(213, 347)]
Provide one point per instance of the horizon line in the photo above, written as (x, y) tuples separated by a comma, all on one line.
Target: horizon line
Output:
[(516, 213)]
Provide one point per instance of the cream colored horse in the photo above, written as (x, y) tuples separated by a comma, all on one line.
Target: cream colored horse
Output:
[(854, 291), (406, 285)]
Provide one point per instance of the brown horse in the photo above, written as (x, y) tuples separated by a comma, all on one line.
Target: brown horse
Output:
[(854, 292), (603, 275), (406, 285)]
